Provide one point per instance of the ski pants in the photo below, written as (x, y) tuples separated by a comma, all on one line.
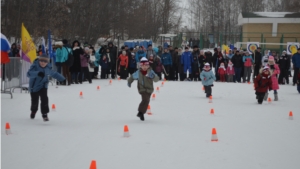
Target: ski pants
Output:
[(145, 102), (35, 101)]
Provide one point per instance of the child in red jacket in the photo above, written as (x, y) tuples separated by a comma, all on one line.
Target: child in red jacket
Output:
[(262, 84), (230, 72), (222, 72)]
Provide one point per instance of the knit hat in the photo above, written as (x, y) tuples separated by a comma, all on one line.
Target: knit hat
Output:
[(265, 69), (271, 58), (144, 61), (206, 66), (44, 57), (229, 63)]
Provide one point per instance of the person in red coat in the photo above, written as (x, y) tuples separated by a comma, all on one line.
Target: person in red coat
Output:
[(123, 65), (222, 72), (263, 83)]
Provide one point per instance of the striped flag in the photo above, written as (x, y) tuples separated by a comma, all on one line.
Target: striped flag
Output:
[(5, 47)]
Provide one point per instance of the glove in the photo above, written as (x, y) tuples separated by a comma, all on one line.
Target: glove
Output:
[(129, 85), (41, 74), (151, 75)]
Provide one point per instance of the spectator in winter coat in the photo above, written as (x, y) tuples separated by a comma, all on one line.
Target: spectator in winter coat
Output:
[(262, 84), (179, 66), (265, 58), (14, 52), (112, 58), (158, 67), (38, 85), (222, 72), (97, 61), (132, 64), (203, 59), (104, 67), (275, 71), (296, 64), (61, 58), (91, 64), (237, 61), (284, 66), (230, 72), (151, 62), (145, 77), (150, 51), (166, 60), (84, 60), (207, 77), (186, 62), (139, 55), (75, 69), (195, 67), (174, 74), (123, 65), (257, 62), (298, 82), (248, 61), (217, 60)]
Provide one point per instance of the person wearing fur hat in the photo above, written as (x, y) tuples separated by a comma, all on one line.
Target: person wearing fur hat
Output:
[(38, 84), (275, 71), (263, 83), (207, 76), (284, 65), (230, 72), (145, 77), (222, 72)]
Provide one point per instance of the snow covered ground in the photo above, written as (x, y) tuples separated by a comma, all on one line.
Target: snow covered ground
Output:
[(176, 136)]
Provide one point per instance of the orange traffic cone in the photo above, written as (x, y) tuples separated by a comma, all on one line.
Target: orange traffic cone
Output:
[(210, 99), (98, 87), (81, 95), (291, 115), (269, 100), (153, 96), (119, 78), (110, 82), (162, 84), (157, 89), (212, 111), (93, 165), (7, 129), (53, 107), (149, 110), (214, 136), (249, 82), (126, 131), (165, 79)]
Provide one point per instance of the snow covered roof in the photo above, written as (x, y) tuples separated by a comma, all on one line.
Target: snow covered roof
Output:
[(270, 14)]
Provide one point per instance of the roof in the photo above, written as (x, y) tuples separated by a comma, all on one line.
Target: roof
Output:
[(271, 14)]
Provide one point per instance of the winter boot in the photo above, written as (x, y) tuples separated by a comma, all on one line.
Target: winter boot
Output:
[(266, 96), (141, 116), (32, 115), (45, 117), (275, 97)]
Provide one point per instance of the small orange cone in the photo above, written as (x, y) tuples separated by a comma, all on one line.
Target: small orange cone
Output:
[(149, 110), (93, 165), (203, 88), (214, 136), (119, 78), (110, 82), (153, 96), (212, 111), (53, 107), (291, 115), (249, 82), (7, 129), (162, 84), (126, 131), (98, 87), (157, 89), (269, 100), (81, 95), (165, 79), (210, 99)]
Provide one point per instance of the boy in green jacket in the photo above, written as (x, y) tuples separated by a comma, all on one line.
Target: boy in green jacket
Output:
[(145, 77)]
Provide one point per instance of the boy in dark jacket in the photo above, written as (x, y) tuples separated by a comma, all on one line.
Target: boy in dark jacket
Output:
[(262, 83), (104, 63), (145, 77), (132, 64), (38, 85)]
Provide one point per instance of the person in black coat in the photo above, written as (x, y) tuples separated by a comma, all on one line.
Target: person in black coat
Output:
[(113, 58), (75, 69), (238, 64), (284, 63), (257, 63)]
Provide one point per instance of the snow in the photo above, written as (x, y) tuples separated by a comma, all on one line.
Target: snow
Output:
[(176, 136)]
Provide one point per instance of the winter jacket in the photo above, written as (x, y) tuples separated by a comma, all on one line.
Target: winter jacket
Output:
[(158, 65), (123, 60), (218, 59), (36, 82), (284, 62), (145, 84), (166, 59), (230, 70), (195, 64), (202, 61), (175, 59), (237, 61), (149, 52), (14, 52), (104, 64), (207, 77), (247, 61), (92, 59), (275, 72), (186, 61), (98, 56), (265, 60), (296, 60), (84, 60), (262, 83), (139, 55), (222, 71), (62, 54), (151, 64), (112, 53), (76, 67), (179, 66), (257, 58), (132, 63)]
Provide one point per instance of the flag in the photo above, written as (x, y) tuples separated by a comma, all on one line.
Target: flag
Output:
[(43, 45), (5, 47), (225, 48), (28, 47)]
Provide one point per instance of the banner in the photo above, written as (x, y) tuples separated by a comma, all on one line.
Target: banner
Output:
[(5, 47), (292, 47), (28, 47), (252, 46), (225, 48)]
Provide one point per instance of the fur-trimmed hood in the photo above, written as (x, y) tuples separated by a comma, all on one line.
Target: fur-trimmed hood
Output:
[(270, 71)]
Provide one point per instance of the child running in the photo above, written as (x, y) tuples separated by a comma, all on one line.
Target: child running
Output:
[(208, 78), (262, 83), (145, 77)]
